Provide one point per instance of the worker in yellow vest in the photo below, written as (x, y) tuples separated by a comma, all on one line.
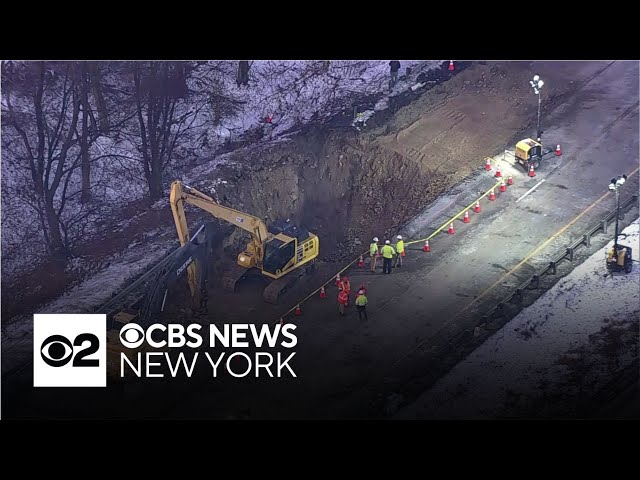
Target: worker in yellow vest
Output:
[(361, 304), (387, 253), (399, 250), (374, 252)]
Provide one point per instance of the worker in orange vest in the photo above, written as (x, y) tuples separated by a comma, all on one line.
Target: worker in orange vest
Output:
[(343, 299), (345, 286)]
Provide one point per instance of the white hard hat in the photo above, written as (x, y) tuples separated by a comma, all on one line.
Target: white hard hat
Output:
[(375, 239), (387, 242), (399, 237)]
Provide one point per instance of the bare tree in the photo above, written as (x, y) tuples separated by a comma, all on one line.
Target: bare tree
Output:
[(84, 144), (95, 81), (47, 147), (46, 142), (163, 116)]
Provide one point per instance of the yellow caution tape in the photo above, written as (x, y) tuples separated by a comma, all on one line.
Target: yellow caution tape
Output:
[(448, 222)]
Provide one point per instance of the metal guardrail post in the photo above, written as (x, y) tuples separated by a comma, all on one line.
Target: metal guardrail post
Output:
[(519, 295), (604, 226), (570, 253), (552, 267), (535, 280), (587, 240)]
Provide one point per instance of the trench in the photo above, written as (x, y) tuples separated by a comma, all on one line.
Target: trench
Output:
[(342, 188)]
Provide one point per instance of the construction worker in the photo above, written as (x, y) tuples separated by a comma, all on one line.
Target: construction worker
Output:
[(374, 252), (394, 67), (343, 299), (345, 286), (387, 253), (361, 304), (400, 250)]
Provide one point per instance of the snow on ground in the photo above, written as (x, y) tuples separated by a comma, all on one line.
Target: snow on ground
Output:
[(121, 269), (568, 331), (294, 92)]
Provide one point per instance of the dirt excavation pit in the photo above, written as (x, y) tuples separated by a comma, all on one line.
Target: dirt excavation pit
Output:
[(347, 186)]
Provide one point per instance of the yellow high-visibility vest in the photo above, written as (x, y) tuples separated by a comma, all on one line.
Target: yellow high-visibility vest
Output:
[(388, 251), (361, 301)]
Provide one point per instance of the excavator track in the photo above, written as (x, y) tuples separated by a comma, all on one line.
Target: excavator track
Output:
[(277, 287), (233, 275)]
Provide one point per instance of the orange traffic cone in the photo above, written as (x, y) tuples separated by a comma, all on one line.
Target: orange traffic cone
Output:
[(503, 187), (477, 207), (323, 294), (337, 279), (426, 247), (510, 180), (558, 151), (298, 310), (498, 172), (466, 217), (451, 232), (487, 164), (451, 67), (361, 262), (532, 172), (492, 195)]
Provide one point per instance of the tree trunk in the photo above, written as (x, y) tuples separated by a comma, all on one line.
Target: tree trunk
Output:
[(56, 245), (155, 186), (243, 73), (96, 84), (86, 165)]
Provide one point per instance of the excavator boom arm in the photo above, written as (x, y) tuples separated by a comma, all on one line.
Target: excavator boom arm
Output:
[(251, 224)]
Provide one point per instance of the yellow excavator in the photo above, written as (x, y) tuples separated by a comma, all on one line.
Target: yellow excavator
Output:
[(282, 252)]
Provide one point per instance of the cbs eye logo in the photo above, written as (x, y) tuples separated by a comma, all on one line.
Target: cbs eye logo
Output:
[(57, 350), (132, 335), (69, 350)]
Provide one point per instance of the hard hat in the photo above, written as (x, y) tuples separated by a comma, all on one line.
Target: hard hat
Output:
[(399, 237), (375, 239), (360, 292), (387, 242)]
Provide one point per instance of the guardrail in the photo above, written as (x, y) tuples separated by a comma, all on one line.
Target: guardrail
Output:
[(534, 280)]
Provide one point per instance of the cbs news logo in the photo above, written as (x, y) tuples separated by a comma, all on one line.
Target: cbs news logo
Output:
[(69, 350)]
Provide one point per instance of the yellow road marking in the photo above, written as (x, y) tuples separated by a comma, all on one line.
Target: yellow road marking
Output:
[(510, 272), (540, 247)]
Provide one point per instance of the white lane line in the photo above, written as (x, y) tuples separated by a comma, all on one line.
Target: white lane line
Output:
[(531, 189)]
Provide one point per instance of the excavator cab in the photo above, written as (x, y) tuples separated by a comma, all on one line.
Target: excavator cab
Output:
[(528, 153), (288, 246)]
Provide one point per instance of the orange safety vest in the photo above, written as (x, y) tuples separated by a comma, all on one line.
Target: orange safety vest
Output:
[(343, 297), (346, 286)]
